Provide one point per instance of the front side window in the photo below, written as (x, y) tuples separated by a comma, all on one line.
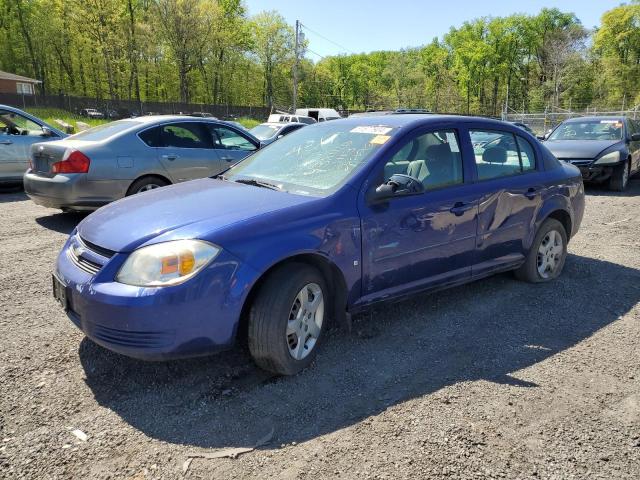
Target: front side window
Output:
[(589, 130), (433, 158), (228, 139), (12, 123), (501, 154), (317, 160), (184, 135)]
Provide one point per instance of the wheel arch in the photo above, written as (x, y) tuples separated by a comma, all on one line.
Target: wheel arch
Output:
[(148, 175), (564, 218), (332, 275)]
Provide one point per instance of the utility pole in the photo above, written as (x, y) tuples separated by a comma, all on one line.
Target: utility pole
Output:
[(295, 67)]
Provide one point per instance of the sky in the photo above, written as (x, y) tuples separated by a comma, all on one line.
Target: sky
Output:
[(355, 26)]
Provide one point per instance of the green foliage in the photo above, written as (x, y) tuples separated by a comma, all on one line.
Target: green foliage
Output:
[(212, 52)]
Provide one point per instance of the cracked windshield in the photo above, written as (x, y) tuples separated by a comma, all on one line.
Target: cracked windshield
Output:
[(315, 160)]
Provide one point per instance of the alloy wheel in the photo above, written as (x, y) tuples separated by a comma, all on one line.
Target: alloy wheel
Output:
[(305, 321), (550, 254), (147, 187)]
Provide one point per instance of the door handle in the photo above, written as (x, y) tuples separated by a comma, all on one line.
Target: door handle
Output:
[(460, 207), (6, 142), (228, 159), (170, 157), (532, 193)]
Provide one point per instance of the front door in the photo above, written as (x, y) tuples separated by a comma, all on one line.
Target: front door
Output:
[(186, 151), (17, 134), (231, 145), (422, 240)]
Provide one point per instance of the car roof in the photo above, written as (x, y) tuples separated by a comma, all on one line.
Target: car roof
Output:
[(410, 120)]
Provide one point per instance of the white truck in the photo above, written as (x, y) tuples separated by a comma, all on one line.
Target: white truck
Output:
[(319, 114)]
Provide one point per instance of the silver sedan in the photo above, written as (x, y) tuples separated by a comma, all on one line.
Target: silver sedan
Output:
[(109, 162), (18, 131)]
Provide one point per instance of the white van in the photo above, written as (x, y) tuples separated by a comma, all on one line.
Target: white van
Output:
[(288, 118), (320, 114)]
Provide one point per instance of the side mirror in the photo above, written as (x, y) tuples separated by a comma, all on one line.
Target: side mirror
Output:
[(635, 137), (542, 138), (397, 186)]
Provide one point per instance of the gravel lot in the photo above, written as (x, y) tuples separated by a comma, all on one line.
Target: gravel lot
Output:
[(494, 379)]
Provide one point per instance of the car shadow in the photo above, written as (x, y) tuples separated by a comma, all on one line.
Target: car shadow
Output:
[(12, 193), (61, 222), (487, 330)]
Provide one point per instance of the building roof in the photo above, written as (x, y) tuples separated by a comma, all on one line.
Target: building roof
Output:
[(17, 78)]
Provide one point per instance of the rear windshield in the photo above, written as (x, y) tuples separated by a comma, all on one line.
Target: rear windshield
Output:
[(102, 132), (263, 132)]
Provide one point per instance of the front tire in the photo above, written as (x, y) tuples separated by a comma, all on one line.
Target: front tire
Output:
[(287, 319), (620, 177), (547, 255)]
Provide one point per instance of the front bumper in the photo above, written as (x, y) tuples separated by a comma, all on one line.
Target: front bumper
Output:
[(592, 172), (197, 317), (72, 191)]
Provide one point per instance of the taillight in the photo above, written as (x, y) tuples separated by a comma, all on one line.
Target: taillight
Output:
[(74, 161)]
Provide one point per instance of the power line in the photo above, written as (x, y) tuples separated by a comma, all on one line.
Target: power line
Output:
[(327, 39), (315, 53)]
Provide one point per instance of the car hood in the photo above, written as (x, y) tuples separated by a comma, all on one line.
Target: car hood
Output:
[(576, 149), (187, 210)]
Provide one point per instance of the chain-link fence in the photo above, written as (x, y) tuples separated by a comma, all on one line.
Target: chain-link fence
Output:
[(542, 122), (125, 108)]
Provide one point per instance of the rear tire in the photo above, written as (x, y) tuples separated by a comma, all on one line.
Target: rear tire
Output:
[(620, 177), (287, 319), (547, 254), (146, 183)]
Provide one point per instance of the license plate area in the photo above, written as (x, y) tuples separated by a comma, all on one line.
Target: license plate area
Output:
[(60, 292)]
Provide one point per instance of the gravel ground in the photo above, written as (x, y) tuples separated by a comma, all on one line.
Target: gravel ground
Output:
[(494, 379)]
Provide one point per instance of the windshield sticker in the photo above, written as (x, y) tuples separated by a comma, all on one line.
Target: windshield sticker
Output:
[(610, 121), (380, 139), (453, 142), (372, 130)]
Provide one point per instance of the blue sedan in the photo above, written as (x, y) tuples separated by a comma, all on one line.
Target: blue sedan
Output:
[(318, 226)]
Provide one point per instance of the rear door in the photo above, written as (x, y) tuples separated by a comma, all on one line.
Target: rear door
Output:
[(185, 150), (511, 184), (230, 144)]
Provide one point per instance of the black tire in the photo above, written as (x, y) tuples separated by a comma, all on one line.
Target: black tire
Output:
[(145, 183), (269, 318), (620, 177), (529, 272)]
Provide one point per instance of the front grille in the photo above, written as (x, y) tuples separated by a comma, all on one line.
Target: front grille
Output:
[(83, 263), (103, 252), (578, 162)]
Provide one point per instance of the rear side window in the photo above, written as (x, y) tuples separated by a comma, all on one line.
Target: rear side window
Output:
[(501, 154), (151, 137), (527, 154), (184, 135)]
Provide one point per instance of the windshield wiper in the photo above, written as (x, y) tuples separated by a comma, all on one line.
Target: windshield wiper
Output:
[(258, 183)]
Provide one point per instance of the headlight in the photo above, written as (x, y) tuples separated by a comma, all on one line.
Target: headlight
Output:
[(166, 263), (613, 157)]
